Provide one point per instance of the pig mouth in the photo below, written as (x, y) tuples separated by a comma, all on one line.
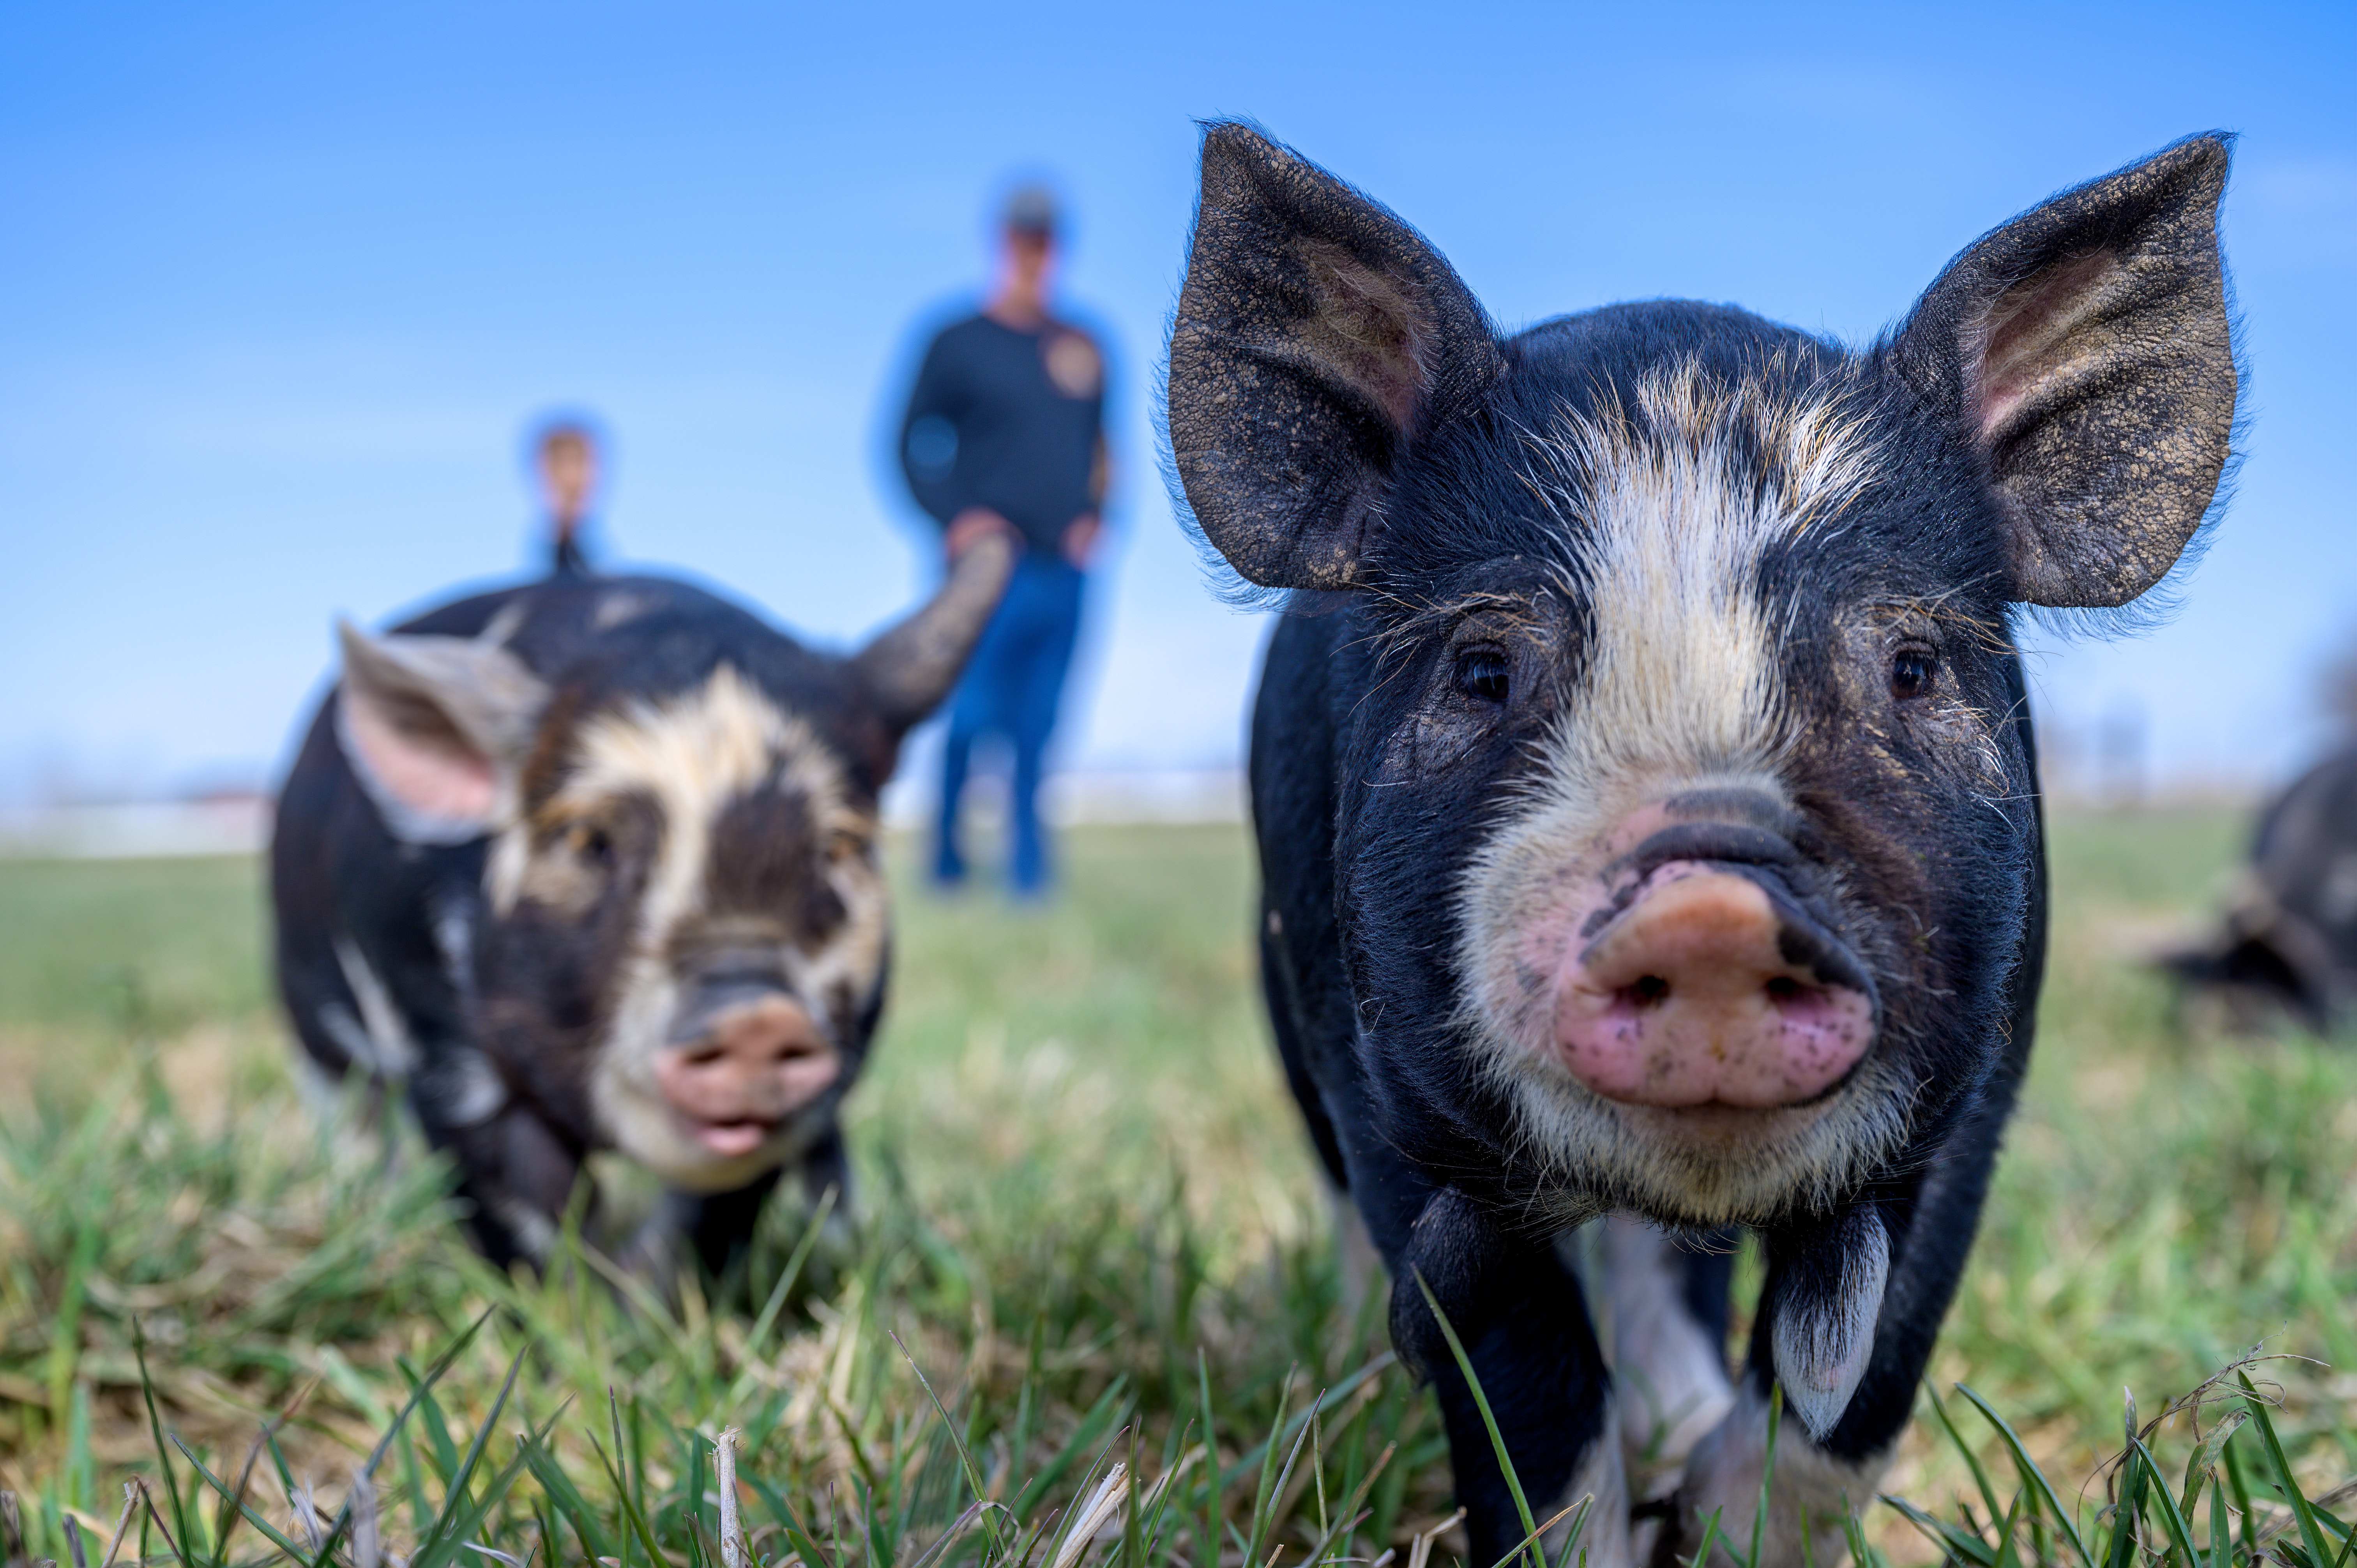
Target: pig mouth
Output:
[(743, 1062), (730, 1140), (1701, 983)]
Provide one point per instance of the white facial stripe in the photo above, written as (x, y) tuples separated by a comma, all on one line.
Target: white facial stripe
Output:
[(1668, 520), (1680, 676)]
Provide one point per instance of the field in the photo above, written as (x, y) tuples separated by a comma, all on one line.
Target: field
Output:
[(1088, 1219)]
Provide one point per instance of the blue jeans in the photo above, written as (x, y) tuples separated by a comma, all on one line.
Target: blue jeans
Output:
[(1011, 688)]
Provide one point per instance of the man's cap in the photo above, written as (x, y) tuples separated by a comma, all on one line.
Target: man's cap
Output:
[(1030, 210)]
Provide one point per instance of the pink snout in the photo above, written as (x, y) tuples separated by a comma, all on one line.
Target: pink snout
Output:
[(1687, 998), (748, 1068)]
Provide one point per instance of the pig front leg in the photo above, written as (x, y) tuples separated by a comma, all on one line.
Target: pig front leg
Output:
[(516, 1174), (1830, 1453), (1518, 1310), (1667, 1296)]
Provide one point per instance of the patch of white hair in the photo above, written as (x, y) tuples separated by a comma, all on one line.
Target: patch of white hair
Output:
[(1669, 520), (381, 1043)]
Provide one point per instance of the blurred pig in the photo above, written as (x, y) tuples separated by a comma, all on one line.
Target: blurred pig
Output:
[(2289, 944), (592, 865), (1646, 808)]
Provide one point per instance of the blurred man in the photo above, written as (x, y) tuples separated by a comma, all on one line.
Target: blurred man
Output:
[(565, 457), (1005, 433)]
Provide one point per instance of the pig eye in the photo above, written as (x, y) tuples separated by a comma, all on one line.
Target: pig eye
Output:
[(1912, 673), (593, 846), (1481, 675)]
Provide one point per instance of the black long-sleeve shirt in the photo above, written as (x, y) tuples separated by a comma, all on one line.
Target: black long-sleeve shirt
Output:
[(1010, 421)]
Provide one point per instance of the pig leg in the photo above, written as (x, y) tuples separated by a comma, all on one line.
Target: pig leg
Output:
[(1281, 987), (1667, 1300), (1517, 1309), (1926, 1229), (716, 1228), (516, 1174), (719, 1227)]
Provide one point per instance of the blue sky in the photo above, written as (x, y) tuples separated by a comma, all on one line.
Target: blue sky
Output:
[(281, 285)]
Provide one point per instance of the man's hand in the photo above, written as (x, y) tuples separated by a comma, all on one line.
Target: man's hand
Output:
[(1080, 536), (974, 523)]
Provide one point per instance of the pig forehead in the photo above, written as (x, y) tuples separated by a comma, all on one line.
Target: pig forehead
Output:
[(1750, 461), (702, 750), (1680, 468)]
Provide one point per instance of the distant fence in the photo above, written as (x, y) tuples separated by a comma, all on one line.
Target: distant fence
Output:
[(136, 830), (241, 825), (1173, 796)]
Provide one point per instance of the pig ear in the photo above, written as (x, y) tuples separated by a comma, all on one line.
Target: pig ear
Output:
[(2086, 348), (911, 666), (1317, 338), (435, 728)]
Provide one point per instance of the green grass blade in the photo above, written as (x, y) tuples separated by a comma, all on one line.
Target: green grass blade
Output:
[(2181, 1533), (454, 1496), (758, 1335), (1528, 1542), (965, 1456), (1101, 1417), (2032, 1476), (457, 1531), (1954, 1540), (442, 1364), (252, 1518), (1767, 1474), (2312, 1533), (566, 1498), (1701, 1558), (797, 1535), (2125, 1517), (2202, 1465), (1271, 1490), (1972, 1460), (1333, 1397), (1482, 1404), (2007, 1557), (1578, 1527), (163, 1455), (634, 1517), (1207, 1545), (1267, 1482)]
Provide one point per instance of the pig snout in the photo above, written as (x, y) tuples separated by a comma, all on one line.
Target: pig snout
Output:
[(739, 1064), (1702, 980)]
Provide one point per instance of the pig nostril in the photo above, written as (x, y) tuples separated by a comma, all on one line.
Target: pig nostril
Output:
[(1783, 988), (1650, 991)]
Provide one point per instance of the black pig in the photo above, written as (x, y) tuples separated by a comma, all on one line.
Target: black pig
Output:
[(1646, 808), (2289, 944), (592, 865)]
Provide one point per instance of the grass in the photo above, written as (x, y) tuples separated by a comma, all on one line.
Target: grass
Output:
[(1091, 1284)]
